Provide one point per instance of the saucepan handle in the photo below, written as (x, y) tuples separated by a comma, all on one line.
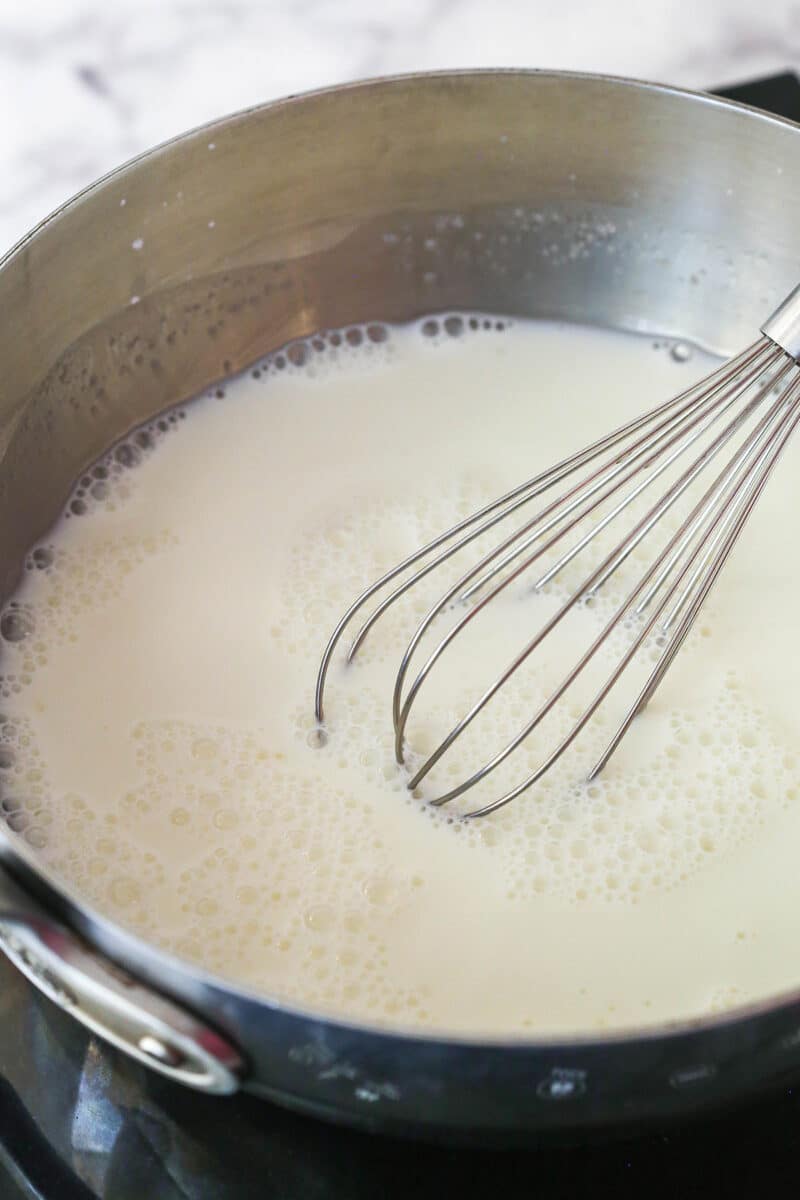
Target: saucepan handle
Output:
[(109, 1002)]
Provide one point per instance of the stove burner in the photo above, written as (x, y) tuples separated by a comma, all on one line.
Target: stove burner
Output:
[(78, 1121)]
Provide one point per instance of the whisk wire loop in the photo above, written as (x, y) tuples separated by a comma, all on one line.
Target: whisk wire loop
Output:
[(603, 481), (702, 508)]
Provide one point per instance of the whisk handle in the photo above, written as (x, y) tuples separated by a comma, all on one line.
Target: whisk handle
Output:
[(783, 327)]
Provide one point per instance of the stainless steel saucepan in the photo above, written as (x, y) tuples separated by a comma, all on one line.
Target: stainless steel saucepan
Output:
[(593, 199)]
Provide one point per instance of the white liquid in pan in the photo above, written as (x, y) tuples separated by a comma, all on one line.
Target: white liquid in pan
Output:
[(159, 702)]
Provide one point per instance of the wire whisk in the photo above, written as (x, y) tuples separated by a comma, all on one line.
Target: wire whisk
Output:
[(750, 407)]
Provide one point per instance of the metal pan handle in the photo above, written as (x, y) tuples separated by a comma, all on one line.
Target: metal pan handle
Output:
[(116, 1007)]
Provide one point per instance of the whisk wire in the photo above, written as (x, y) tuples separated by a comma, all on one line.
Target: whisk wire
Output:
[(655, 676), (701, 509), (400, 709), (507, 503), (698, 519), (753, 492), (652, 444), (602, 481), (612, 560)]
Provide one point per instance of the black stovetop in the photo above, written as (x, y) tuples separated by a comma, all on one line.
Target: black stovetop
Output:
[(80, 1122)]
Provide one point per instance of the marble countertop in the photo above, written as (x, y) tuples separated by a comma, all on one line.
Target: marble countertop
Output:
[(85, 84)]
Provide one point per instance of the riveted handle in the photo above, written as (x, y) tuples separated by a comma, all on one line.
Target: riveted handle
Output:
[(126, 1013)]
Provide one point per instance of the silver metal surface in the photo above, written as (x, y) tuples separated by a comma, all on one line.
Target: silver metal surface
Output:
[(679, 577), (783, 327), (118, 1008), (553, 195)]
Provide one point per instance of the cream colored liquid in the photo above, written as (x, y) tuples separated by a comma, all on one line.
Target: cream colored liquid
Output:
[(159, 709)]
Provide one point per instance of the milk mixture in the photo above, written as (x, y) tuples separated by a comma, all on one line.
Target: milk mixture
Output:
[(159, 660)]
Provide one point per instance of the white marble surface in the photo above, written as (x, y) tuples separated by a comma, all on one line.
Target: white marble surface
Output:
[(84, 84)]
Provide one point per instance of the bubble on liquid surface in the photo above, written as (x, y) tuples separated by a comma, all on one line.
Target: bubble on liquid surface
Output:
[(243, 846), (16, 624)]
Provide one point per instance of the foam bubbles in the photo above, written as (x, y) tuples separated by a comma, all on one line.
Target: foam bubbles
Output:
[(195, 799)]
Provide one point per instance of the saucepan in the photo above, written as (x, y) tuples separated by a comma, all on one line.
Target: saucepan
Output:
[(553, 195)]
